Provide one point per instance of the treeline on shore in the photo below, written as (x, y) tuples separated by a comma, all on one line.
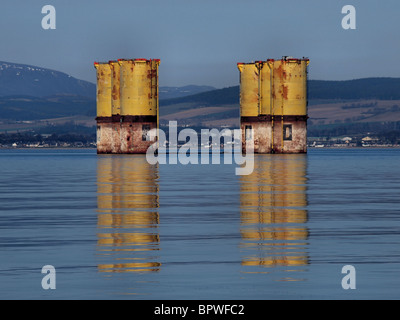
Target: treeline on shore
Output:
[(51, 140)]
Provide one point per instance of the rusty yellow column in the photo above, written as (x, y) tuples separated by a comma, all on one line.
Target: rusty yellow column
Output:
[(139, 103), (115, 106), (155, 90), (254, 92), (104, 112), (290, 101)]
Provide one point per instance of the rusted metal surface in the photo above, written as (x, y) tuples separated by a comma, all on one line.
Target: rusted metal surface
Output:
[(128, 100), (273, 103), (115, 87), (136, 85), (104, 119), (249, 89), (103, 97), (276, 87), (133, 118)]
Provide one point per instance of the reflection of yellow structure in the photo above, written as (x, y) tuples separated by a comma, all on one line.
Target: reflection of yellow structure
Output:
[(127, 195), (273, 212)]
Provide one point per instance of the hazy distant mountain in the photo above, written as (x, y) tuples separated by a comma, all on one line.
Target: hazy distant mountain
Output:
[(368, 88), (34, 93), (178, 92), (21, 79), (37, 108), (330, 102), (27, 80)]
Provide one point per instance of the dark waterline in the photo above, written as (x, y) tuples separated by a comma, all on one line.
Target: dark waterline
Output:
[(115, 227)]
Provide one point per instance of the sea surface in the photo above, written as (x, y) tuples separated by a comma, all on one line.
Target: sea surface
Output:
[(116, 227)]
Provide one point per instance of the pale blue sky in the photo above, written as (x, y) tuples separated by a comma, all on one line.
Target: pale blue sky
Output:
[(200, 42)]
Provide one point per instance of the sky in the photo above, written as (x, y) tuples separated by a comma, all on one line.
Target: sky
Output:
[(200, 42)]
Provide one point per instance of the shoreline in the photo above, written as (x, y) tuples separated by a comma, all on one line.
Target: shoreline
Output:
[(93, 148)]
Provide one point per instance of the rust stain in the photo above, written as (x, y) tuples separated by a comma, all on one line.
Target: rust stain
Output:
[(285, 91), (115, 92), (280, 72)]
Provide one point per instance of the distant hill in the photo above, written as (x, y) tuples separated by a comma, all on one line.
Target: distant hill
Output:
[(368, 88), (216, 97), (178, 92), (330, 102), (37, 108), (33, 93), (26, 80)]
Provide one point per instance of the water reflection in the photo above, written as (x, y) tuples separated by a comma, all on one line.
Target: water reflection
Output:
[(128, 219), (273, 204)]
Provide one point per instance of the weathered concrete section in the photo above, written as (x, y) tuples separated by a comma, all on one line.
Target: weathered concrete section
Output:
[(104, 135), (133, 134), (116, 137), (290, 136), (125, 135), (259, 129), (275, 134)]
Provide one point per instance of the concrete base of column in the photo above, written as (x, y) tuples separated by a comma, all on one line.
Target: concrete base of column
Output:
[(275, 134), (104, 135), (125, 134)]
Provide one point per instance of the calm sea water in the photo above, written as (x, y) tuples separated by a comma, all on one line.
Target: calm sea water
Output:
[(115, 227)]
